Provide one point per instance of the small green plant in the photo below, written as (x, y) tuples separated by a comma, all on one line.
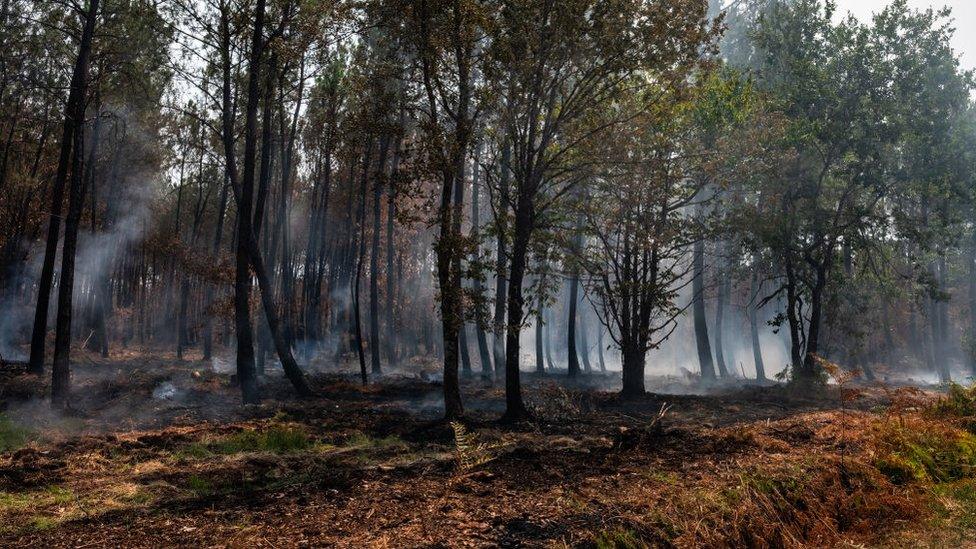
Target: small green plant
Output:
[(12, 436), (41, 523), (928, 455), (618, 538), (199, 485), (959, 401), (469, 451), (278, 439)]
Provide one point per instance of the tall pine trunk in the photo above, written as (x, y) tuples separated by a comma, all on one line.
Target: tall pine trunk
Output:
[(374, 260), (573, 365), (698, 310), (480, 325), (61, 370), (515, 409), (74, 116), (754, 326), (501, 260)]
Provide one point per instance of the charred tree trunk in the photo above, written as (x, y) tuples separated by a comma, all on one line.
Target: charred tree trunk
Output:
[(599, 340), (515, 409), (573, 365), (501, 260), (810, 369), (721, 305), (215, 255), (360, 255), (634, 359), (698, 306), (548, 338), (246, 244), (540, 364), (391, 190), (61, 370), (480, 328), (754, 327), (464, 348), (584, 340), (374, 260), (74, 115)]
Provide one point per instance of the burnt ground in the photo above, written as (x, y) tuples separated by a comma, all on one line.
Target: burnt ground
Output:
[(157, 452)]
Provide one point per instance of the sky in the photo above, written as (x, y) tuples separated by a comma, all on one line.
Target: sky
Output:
[(963, 12)]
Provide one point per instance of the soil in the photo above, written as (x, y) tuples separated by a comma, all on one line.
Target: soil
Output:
[(158, 452)]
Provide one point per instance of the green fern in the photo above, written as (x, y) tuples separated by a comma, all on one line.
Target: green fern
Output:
[(469, 451)]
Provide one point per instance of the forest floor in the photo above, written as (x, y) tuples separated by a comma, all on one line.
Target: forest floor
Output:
[(158, 452)]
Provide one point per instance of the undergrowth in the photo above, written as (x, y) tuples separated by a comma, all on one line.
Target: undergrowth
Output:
[(277, 439), (12, 436)]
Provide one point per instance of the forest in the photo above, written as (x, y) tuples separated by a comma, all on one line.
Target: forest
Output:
[(486, 273)]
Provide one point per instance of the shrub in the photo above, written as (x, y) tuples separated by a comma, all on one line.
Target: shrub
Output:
[(929, 452)]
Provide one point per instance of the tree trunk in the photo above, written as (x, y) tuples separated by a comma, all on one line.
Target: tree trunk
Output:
[(483, 353), (501, 260), (246, 237), (360, 255), (698, 306), (540, 365), (599, 340), (514, 405), (573, 365), (584, 340), (61, 370), (721, 304), (550, 338), (754, 327), (74, 116), (374, 258), (391, 189), (633, 370), (215, 255), (810, 369), (464, 348), (246, 243)]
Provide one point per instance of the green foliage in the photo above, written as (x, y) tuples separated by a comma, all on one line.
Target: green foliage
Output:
[(277, 439), (959, 402), (199, 485), (928, 455), (618, 538), (12, 436)]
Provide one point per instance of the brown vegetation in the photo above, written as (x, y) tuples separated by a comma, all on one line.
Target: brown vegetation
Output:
[(377, 467)]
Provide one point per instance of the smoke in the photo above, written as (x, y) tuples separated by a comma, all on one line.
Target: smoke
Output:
[(125, 183)]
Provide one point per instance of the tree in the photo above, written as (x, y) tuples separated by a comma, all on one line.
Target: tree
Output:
[(447, 38), (563, 63)]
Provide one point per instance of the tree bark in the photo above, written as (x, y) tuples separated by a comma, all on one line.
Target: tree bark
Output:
[(573, 365), (391, 191), (706, 365), (483, 352), (374, 260), (360, 255), (633, 370), (721, 305), (501, 260), (515, 409), (74, 116), (754, 327), (61, 370)]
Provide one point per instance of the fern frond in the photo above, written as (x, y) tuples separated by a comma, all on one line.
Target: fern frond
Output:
[(469, 450)]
